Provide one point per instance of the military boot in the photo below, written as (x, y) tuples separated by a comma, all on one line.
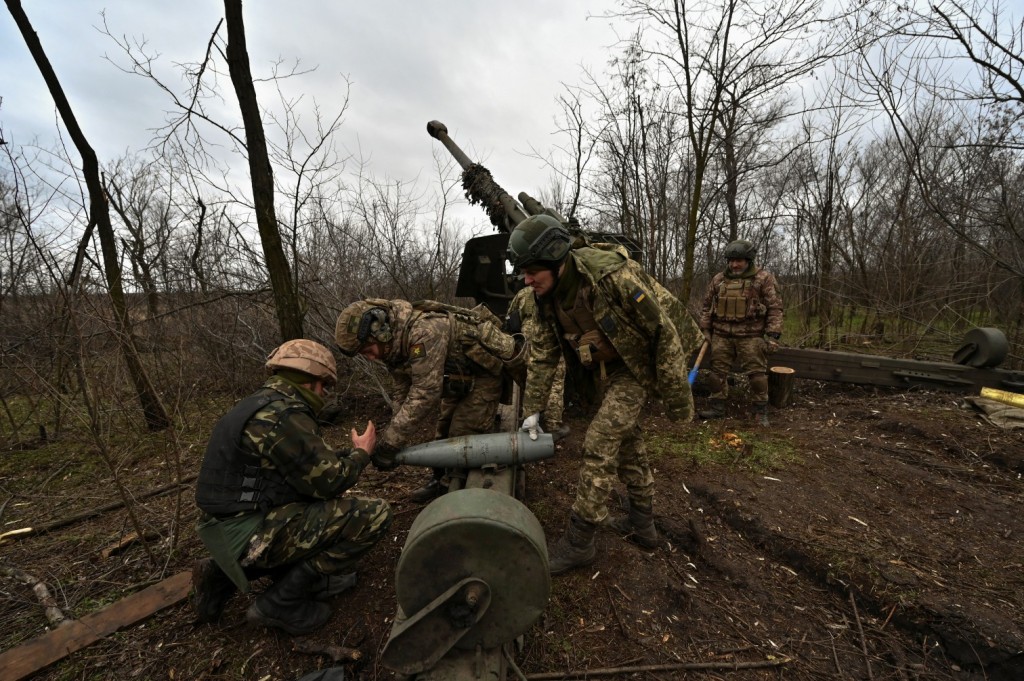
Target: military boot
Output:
[(715, 410), (575, 548), (288, 604), (761, 413), (211, 590), (637, 526), (428, 492), (329, 586)]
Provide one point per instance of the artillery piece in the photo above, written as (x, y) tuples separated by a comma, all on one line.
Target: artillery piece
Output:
[(473, 576)]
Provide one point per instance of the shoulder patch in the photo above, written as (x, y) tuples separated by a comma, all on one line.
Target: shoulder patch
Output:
[(417, 351), (646, 304)]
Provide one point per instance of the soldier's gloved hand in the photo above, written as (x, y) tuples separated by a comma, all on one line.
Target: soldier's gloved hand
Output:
[(772, 341), (531, 424), (383, 457), (707, 335)]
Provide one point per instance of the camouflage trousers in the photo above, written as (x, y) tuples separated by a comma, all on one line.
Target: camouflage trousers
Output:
[(614, 448), (473, 413), (331, 534), (751, 353), (551, 417)]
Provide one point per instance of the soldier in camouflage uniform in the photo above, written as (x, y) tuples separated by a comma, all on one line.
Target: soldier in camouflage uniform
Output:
[(617, 330), (522, 318), (272, 502), (742, 320), (447, 364)]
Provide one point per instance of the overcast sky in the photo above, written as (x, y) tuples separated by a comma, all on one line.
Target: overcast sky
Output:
[(491, 71)]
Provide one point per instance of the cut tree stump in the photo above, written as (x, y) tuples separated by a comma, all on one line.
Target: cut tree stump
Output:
[(780, 386), (31, 656)]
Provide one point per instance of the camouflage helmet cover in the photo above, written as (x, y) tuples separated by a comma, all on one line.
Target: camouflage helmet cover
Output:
[(538, 239), (741, 249), (361, 323), (306, 356)]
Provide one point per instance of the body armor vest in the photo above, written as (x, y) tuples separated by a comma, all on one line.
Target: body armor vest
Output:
[(733, 300), (231, 480), (582, 331)]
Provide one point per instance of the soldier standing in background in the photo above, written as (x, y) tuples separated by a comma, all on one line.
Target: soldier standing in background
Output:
[(447, 364), (742, 320), (522, 318), (271, 493), (601, 312)]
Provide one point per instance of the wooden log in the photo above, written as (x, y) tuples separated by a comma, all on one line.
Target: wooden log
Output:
[(780, 386)]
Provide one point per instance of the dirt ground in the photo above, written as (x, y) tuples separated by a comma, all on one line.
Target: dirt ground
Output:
[(865, 534)]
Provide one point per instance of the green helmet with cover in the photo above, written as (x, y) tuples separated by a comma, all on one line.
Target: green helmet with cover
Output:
[(306, 356), (538, 240), (741, 249), (362, 323)]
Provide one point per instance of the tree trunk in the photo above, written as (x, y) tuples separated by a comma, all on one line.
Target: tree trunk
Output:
[(286, 300), (780, 386), (99, 214)]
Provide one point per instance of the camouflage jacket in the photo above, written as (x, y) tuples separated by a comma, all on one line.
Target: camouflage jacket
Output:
[(286, 435), (521, 317), (428, 344), (763, 305), (626, 305)]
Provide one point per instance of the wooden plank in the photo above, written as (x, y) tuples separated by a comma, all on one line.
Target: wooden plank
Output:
[(849, 367), (30, 657)]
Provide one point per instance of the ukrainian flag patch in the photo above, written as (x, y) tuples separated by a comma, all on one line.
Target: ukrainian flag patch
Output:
[(639, 296)]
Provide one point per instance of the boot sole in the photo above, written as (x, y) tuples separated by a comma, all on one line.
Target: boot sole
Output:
[(256, 617), (569, 568)]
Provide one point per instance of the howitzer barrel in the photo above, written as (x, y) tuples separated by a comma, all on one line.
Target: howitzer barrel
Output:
[(439, 131), (477, 451), (502, 210)]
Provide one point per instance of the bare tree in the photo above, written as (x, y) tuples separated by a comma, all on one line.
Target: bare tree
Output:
[(720, 55), (133, 191), (289, 310), (99, 216)]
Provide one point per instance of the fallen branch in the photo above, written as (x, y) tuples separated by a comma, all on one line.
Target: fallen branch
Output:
[(84, 515), (615, 611), (863, 639), (679, 666), (336, 653), (125, 542), (54, 615)]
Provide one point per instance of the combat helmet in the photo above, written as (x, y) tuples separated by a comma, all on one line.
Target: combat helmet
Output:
[(741, 249), (306, 356), (539, 239), (361, 323)]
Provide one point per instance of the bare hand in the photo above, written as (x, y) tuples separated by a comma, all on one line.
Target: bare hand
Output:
[(367, 440)]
